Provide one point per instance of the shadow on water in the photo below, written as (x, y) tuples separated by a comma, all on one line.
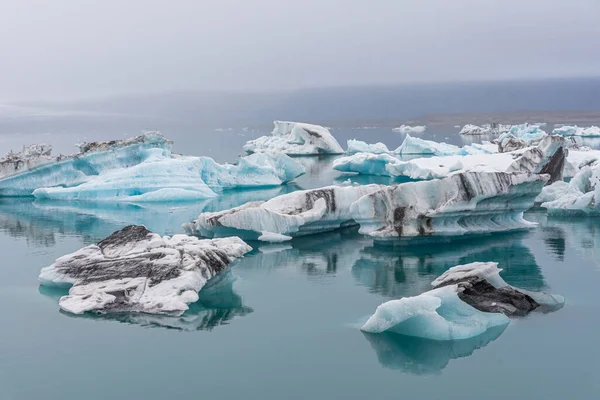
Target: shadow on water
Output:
[(408, 271), (218, 304), (424, 356)]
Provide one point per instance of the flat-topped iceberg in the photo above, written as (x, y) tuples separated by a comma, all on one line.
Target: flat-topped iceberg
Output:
[(143, 169), (135, 270), (295, 138), (574, 130), (547, 157), (412, 145), (462, 204), (281, 218), (410, 129), (487, 129), (466, 301), (468, 203), (580, 196)]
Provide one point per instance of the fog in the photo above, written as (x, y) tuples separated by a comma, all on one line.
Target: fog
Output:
[(61, 49)]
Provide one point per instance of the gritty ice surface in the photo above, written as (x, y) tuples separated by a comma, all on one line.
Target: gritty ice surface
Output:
[(462, 204), (143, 169), (410, 129), (296, 138), (487, 129), (466, 301), (135, 270)]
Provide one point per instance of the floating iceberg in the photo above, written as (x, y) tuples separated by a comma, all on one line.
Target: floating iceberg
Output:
[(528, 133), (365, 163), (412, 145), (487, 129), (547, 157), (358, 146), (468, 203), (143, 169), (466, 301), (565, 130), (29, 157), (580, 196), (281, 218), (462, 204), (295, 138), (410, 129), (134, 270)]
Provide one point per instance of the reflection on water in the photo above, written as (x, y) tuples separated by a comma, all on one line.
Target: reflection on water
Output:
[(218, 305), (396, 272), (424, 356)]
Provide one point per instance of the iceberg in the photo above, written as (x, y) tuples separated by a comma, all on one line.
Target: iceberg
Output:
[(528, 133), (143, 169), (461, 204), (547, 157), (365, 163), (566, 130), (412, 145), (29, 157), (465, 302), (580, 196), (135, 270), (284, 217), (358, 146), (295, 138), (487, 129), (410, 129)]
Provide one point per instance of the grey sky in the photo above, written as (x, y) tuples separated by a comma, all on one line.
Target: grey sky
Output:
[(66, 48)]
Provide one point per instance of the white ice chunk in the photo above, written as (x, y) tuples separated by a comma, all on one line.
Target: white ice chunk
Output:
[(410, 129), (358, 146), (295, 138), (566, 130)]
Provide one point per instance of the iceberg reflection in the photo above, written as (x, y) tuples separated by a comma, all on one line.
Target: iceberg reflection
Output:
[(425, 356)]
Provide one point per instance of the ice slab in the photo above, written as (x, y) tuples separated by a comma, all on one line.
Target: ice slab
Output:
[(135, 270), (295, 138), (466, 301), (461, 204)]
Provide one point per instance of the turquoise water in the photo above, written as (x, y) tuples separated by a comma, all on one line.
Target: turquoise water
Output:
[(283, 324)]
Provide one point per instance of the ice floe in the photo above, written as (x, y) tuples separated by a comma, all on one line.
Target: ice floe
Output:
[(295, 138), (410, 129), (358, 146), (462, 204), (143, 169), (580, 196), (465, 302), (574, 130), (135, 270)]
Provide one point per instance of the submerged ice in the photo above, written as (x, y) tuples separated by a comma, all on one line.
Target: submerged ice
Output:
[(465, 302), (143, 169), (295, 138), (135, 270)]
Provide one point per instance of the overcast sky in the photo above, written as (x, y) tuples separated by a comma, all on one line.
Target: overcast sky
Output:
[(75, 48)]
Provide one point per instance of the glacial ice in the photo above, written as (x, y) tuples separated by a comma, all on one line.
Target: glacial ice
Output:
[(295, 138), (574, 130), (135, 270), (548, 155), (365, 163), (413, 145), (358, 146), (461, 204), (467, 203), (465, 302), (528, 133), (410, 129), (580, 196), (487, 129), (143, 169), (294, 214)]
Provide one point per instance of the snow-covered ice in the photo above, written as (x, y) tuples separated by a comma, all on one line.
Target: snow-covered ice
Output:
[(580, 196), (462, 204), (295, 138), (465, 302), (574, 130), (135, 270), (143, 169), (410, 129)]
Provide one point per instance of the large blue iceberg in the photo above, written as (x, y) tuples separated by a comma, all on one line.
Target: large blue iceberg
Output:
[(140, 169)]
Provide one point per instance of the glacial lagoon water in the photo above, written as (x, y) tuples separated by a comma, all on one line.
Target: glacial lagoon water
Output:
[(284, 322)]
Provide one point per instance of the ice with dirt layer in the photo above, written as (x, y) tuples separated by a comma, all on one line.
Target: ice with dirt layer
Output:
[(135, 270), (467, 203), (486, 129), (295, 138), (465, 302)]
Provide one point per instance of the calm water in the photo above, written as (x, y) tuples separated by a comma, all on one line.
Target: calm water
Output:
[(283, 324)]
